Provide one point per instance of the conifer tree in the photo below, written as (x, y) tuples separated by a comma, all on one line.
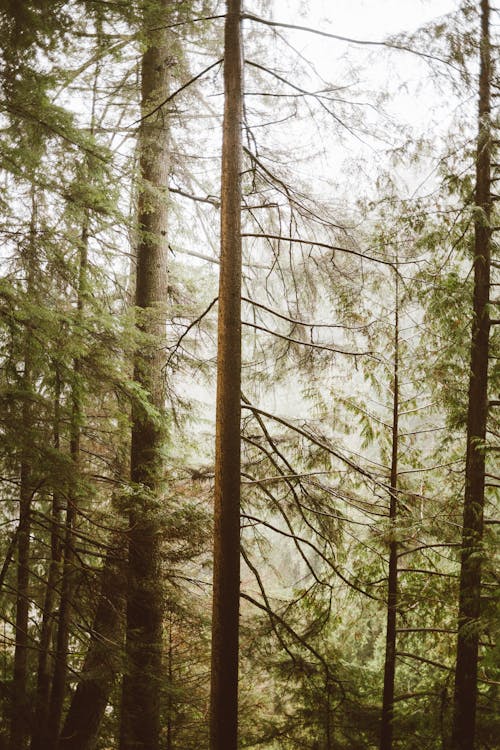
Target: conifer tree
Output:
[(140, 706), (469, 609)]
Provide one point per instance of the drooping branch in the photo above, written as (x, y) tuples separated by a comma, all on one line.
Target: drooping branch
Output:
[(349, 40)]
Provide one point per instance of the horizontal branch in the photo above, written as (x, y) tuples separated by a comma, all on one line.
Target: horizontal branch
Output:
[(428, 546), (304, 323), (325, 245), (428, 572), (282, 477), (311, 344), (426, 630), (196, 198), (423, 660)]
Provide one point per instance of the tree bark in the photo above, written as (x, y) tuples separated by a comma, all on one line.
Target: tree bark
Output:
[(140, 709), (392, 593), (469, 611), (224, 674)]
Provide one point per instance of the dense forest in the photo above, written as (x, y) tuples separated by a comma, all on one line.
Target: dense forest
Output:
[(249, 376)]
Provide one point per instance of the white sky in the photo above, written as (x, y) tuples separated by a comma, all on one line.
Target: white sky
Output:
[(368, 19), (414, 100), (372, 20)]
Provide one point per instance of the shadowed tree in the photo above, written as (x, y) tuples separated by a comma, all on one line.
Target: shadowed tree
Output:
[(392, 592), (469, 609)]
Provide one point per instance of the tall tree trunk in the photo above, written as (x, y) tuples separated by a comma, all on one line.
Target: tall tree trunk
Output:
[(469, 612), (392, 592), (140, 709), (39, 738), (20, 720), (103, 659), (224, 674)]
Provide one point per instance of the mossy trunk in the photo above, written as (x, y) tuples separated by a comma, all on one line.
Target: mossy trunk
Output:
[(140, 709)]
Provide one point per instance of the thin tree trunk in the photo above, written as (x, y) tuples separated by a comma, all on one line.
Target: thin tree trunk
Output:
[(224, 674), (469, 612), (8, 557), (20, 706), (39, 738), (59, 681), (103, 659), (328, 716), (170, 718), (63, 631), (140, 709), (20, 720), (392, 593)]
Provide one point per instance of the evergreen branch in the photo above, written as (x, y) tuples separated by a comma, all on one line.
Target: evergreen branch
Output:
[(426, 630), (319, 443), (316, 550), (282, 477), (427, 572), (197, 198), (272, 614), (266, 600), (280, 509)]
